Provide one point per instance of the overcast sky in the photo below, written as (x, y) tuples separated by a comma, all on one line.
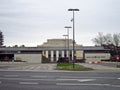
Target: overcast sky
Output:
[(32, 22)]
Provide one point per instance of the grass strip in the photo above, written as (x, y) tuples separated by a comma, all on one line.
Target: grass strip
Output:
[(69, 66)]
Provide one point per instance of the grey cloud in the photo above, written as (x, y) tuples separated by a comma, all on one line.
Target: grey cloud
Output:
[(30, 17)]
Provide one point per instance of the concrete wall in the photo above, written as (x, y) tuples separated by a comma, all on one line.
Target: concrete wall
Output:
[(30, 58), (79, 54), (96, 56)]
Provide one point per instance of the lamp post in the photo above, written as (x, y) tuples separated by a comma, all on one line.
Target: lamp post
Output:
[(73, 20), (65, 43), (68, 27)]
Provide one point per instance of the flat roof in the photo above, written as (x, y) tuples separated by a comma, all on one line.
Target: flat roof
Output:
[(50, 48)]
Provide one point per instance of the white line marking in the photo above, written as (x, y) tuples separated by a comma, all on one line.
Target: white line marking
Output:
[(0, 82), (29, 83), (115, 85), (89, 77), (80, 80), (86, 80), (67, 79), (11, 75), (39, 76), (78, 84), (118, 78), (29, 79)]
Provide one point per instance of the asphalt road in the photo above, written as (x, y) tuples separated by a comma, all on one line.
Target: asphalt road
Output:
[(59, 80)]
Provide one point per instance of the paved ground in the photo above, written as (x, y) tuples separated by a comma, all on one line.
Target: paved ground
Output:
[(100, 66), (62, 80), (39, 66), (24, 76), (26, 66)]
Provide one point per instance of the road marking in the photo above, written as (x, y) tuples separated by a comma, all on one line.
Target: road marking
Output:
[(70, 77), (29, 83), (78, 84), (80, 80), (0, 82), (115, 85), (118, 78), (39, 76), (28, 79), (66, 79), (11, 75), (86, 80)]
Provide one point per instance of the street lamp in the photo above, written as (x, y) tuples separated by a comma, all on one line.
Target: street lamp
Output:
[(65, 43), (73, 20), (68, 27)]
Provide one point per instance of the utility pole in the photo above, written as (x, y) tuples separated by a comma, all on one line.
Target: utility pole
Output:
[(73, 20)]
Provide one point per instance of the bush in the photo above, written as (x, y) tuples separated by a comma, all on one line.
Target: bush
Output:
[(45, 60)]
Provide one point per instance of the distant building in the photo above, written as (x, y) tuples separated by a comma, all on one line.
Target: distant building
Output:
[(52, 50), (26, 54)]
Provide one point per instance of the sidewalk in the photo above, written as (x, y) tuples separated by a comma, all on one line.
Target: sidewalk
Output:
[(26, 66), (99, 66), (49, 66)]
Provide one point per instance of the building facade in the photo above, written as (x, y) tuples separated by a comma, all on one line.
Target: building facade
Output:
[(23, 54), (52, 50)]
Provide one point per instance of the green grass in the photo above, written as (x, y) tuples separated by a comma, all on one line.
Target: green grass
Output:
[(69, 66)]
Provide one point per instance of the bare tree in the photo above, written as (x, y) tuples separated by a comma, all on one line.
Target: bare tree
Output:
[(99, 40), (1, 39), (107, 39), (116, 39)]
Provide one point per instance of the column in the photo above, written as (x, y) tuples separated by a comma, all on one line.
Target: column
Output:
[(67, 54), (72, 54), (57, 55), (52, 55), (46, 54), (43, 53), (62, 53)]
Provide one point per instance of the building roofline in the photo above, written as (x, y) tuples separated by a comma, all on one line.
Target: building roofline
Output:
[(50, 48)]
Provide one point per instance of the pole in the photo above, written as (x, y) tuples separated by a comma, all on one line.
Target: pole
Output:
[(73, 35), (73, 42), (65, 43), (68, 40)]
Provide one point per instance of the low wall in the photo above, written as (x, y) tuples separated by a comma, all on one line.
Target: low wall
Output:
[(29, 58), (96, 56)]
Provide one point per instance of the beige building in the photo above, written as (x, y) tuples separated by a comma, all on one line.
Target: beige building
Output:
[(30, 58), (52, 50)]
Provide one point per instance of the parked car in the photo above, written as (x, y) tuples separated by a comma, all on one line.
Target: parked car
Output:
[(116, 58), (63, 60)]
